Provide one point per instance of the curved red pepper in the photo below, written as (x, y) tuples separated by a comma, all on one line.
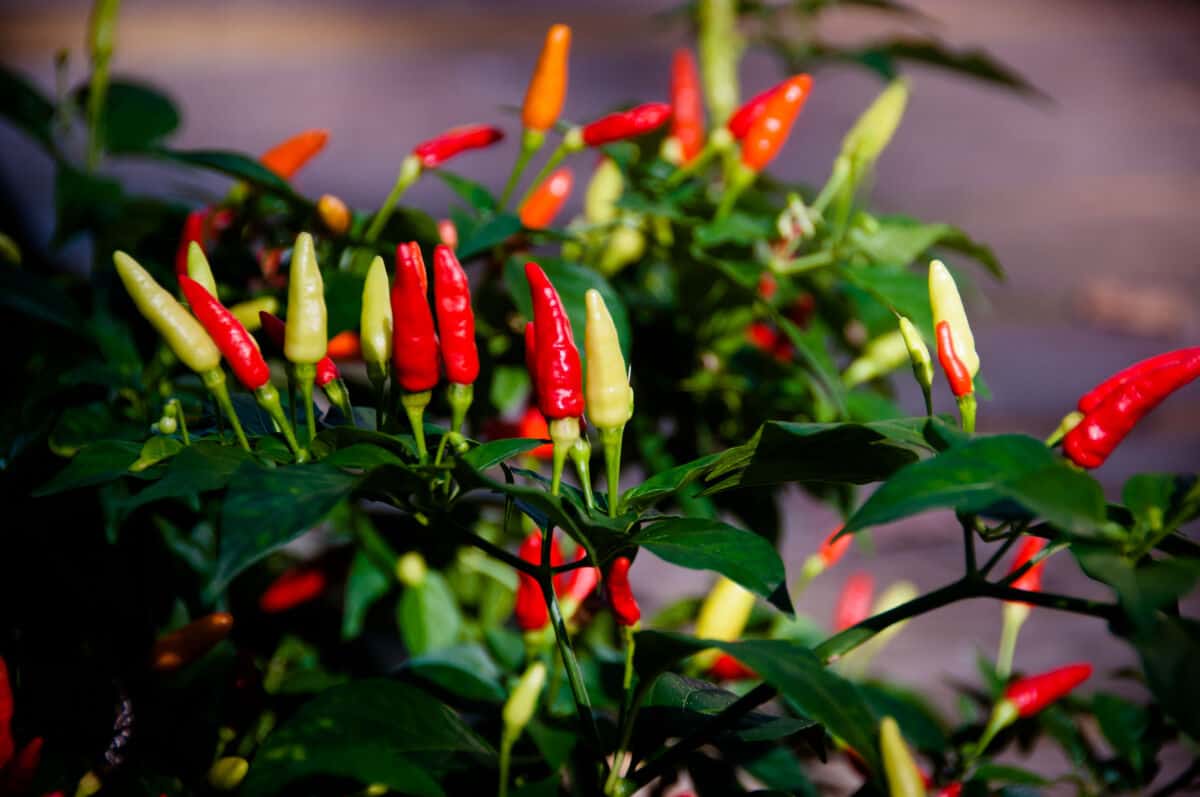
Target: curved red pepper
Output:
[(727, 668), (231, 337), (276, 331), (296, 586), (744, 117), (6, 715), (193, 230), (834, 547), (414, 342), (854, 604), (1091, 442), (558, 372), (530, 607), (626, 124), (1031, 579), (455, 319), (957, 373), (770, 130), (438, 150), (620, 594), (1031, 695), (687, 107), (1090, 400), (577, 584)]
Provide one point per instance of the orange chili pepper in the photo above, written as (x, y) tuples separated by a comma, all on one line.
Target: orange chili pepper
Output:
[(769, 132), (185, 645), (288, 157), (687, 109), (547, 199), (344, 345), (548, 86)]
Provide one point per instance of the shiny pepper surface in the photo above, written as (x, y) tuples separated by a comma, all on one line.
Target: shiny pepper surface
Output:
[(414, 342), (436, 151), (744, 118), (288, 157), (455, 318), (182, 333), (558, 370), (687, 107), (530, 607), (620, 594), (375, 327), (1102, 429), (234, 342), (1139, 370), (1031, 695), (619, 126), (547, 199), (292, 588), (770, 130), (275, 329), (199, 269), (548, 86), (957, 372), (1031, 579), (307, 335), (947, 307), (609, 396)]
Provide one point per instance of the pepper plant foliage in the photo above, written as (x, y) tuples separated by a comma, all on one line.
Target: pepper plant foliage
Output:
[(185, 616)]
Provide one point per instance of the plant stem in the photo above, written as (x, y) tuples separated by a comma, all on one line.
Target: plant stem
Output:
[(305, 374), (506, 744), (968, 531), (414, 408), (531, 142), (183, 430), (611, 440), (214, 380), (556, 157), (410, 172), (995, 558), (624, 721)]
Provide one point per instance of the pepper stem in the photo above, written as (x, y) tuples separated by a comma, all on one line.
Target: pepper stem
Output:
[(182, 418), (966, 409), (531, 142), (377, 374), (716, 144), (460, 397), (268, 398), (336, 390), (740, 178), (414, 406), (1069, 422), (611, 440), (1014, 618), (214, 380), (305, 374), (410, 172), (570, 143), (612, 784), (1004, 714), (581, 455), (563, 434), (506, 745)]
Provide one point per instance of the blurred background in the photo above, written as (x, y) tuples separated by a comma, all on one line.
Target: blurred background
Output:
[(1090, 196)]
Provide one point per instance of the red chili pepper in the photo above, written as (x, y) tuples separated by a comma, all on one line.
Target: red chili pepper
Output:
[(276, 331), (18, 777), (766, 136), (287, 157), (558, 372), (1031, 579), (533, 425), (193, 230), (687, 107), (626, 124), (769, 340), (854, 604), (1090, 400), (620, 594), (236, 344), (1108, 422), (414, 342), (296, 586), (345, 345), (547, 199), (530, 607), (455, 319), (957, 373), (952, 790), (577, 584), (744, 117), (436, 151), (6, 715), (834, 549), (727, 668), (1031, 695)]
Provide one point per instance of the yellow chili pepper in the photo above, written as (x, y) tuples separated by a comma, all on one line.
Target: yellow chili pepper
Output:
[(227, 773), (334, 214), (947, 306), (609, 397), (182, 333), (873, 130), (903, 777), (880, 356), (248, 311), (199, 269), (918, 355), (375, 326), (307, 337), (723, 616)]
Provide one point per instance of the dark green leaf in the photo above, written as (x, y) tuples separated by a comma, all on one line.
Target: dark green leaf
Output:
[(1161, 501), (203, 466), (491, 230), (703, 544), (98, 463), (904, 291), (986, 473), (362, 455), (135, 116), (466, 670), (917, 720), (667, 483), (155, 450), (736, 228), (900, 240), (684, 702), (372, 730), (428, 615), (1169, 652), (25, 107), (1123, 724), (473, 193), (1143, 589), (84, 203), (366, 583), (1006, 773), (494, 452), (232, 164)]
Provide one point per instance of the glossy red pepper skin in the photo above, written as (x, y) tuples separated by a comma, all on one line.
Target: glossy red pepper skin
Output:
[(1031, 695), (533, 425), (530, 608), (770, 130), (1031, 579), (1090, 400), (1102, 429), (619, 126), (18, 777), (547, 200), (6, 714), (854, 603), (193, 230), (455, 318), (276, 330), (235, 342), (834, 547), (438, 150), (620, 594), (687, 107), (957, 373), (744, 117), (414, 342), (294, 587), (558, 372), (727, 668)]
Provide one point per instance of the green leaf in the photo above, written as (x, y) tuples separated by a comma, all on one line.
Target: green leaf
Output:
[(428, 615), (232, 164), (203, 466), (1169, 652), (362, 455), (904, 291), (1160, 502), (465, 670), (1124, 725), (26, 107), (703, 544), (371, 730), (682, 703), (668, 482), (510, 387), (830, 453), (135, 116), (84, 203), (1144, 588), (494, 452), (491, 230), (916, 718), (736, 228), (155, 450), (1006, 773), (822, 695), (98, 463), (267, 508), (366, 583), (474, 194), (900, 240), (987, 473)]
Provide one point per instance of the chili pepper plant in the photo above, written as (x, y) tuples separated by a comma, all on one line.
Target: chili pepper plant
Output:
[(398, 551)]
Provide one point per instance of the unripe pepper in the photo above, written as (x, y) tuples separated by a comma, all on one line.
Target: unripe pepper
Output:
[(609, 396), (832, 549), (1028, 696), (333, 214), (292, 588), (375, 326), (547, 199), (854, 602), (620, 594), (185, 645), (306, 338), (880, 357), (324, 374), (1015, 613), (687, 108), (874, 129), (770, 130), (199, 269), (723, 616), (548, 86), (248, 311), (922, 363), (227, 773), (289, 156), (522, 702), (637, 121), (721, 47), (903, 776), (182, 333), (1134, 393), (193, 233), (438, 150), (275, 329), (947, 306), (603, 191)]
